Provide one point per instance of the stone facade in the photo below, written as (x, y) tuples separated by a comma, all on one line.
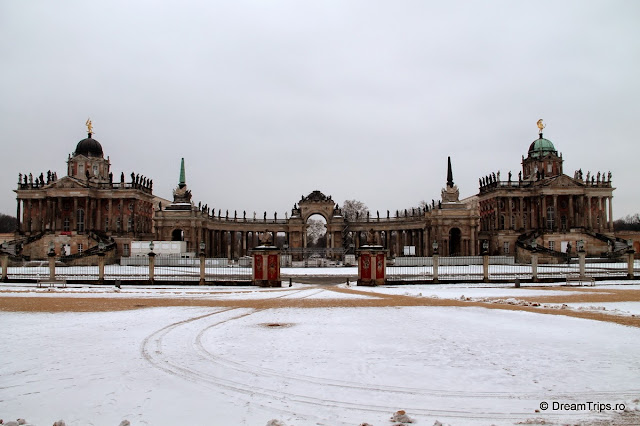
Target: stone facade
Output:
[(77, 211)]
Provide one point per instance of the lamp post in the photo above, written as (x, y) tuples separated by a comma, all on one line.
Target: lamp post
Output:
[(485, 247), (435, 247)]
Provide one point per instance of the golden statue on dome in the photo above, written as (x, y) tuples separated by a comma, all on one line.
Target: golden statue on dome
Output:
[(541, 126), (89, 126)]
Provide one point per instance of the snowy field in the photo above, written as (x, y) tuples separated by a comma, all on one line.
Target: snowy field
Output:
[(312, 366)]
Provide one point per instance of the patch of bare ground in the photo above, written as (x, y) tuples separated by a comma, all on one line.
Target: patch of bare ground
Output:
[(88, 304)]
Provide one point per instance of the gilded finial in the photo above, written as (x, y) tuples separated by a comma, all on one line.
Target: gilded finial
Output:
[(540, 126), (89, 126)]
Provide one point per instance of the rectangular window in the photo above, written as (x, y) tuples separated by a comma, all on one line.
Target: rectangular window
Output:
[(66, 225), (80, 248), (106, 224), (130, 225), (505, 247), (125, 250), (552, 245)]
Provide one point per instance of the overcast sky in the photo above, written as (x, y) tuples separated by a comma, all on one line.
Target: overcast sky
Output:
[(270, 100)]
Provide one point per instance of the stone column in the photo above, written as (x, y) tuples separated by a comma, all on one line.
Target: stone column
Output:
[(202, 267), (19, 219), (229, 235), (589, 221), (571, 221), (582, 259), (610, 213), (74, 215), (152, 264), (485, 267), (630, 259), (4, 262), (98, 224), (543, 217), (243, 236), (534, 266), (556, 216), (599, 215), (522, 224), (52, 266), (101, 267), (435, 267)]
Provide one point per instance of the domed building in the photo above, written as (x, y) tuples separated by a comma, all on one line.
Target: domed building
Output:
[(75, 213), (545, 210)]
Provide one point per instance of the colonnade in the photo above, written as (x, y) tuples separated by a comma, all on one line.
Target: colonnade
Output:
[(553, 212)]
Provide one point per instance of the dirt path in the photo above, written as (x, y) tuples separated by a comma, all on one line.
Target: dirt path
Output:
[(68, 303)]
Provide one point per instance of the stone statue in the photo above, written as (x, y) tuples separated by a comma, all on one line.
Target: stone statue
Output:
[(509, 176), (265, 216), (226, 216), (609, 177), (588, 177), (121, 177), (19, 178), (519, 176), (133, 177), (387, 214), (110, 177), (254, 215), (378, 214), (235, 214), (244, 215), (598, 179), (30, 179)]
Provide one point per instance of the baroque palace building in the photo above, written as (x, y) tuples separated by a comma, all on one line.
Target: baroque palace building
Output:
[(541, 209), (74, 213)]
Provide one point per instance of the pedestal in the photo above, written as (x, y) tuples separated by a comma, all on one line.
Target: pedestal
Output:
[(372, 262), (266, 266)]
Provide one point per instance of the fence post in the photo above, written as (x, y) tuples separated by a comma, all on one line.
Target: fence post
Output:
[(534, 267), (485, 267), (630, 253), (4, 260), (152, 264), (101, 267), (52, 265), (435, 267), (202, 265), (582, 255)]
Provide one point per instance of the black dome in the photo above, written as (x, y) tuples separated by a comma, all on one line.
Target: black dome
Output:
[(89, 147)]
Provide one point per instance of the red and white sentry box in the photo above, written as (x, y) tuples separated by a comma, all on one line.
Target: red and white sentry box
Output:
[(371, 265), (266, 267)]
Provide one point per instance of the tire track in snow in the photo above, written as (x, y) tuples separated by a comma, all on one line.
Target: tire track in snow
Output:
[(234, 383)]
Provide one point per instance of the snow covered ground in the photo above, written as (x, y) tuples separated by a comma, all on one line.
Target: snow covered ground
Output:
[(310, 366)]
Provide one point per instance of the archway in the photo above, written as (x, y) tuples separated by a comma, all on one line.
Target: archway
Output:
[(316, 232), (177, 235), (455, 237)]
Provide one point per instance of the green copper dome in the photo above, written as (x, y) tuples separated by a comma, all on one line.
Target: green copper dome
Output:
[(541, 147)]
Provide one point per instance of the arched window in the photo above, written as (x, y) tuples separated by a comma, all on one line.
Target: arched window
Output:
[(80, 222), (551, 218)]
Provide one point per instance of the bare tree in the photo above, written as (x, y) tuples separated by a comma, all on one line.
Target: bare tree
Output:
[(316, 230), (352, 209), (628, 223)]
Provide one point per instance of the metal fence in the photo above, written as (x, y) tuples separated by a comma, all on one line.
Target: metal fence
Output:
[(173, 268), (166, 269)]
